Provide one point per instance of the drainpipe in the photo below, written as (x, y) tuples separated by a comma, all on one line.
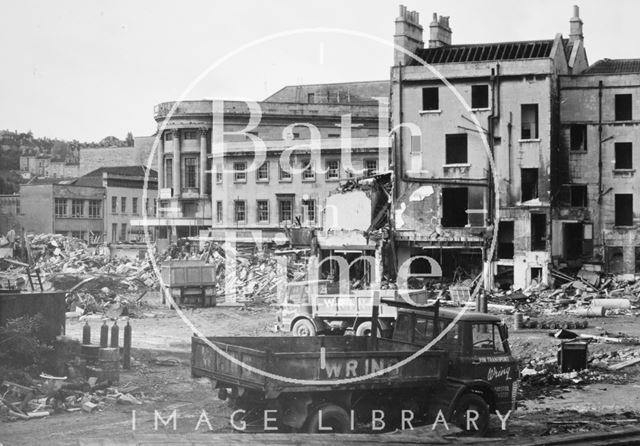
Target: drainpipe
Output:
[(600, 87), (600, 145)]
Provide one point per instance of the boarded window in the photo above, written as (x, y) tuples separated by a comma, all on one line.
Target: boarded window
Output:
[(529, 184), (624, 209), (454, 207), (538, 232), (578, 137), (529, 121), (624, 155), (579, 195), (479, 96), (430, 98), (456, 148), (624, 107)]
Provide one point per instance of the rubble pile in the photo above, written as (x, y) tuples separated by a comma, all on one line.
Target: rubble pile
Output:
[(97, 282), (258, 275), (589, 294), (51, 395)]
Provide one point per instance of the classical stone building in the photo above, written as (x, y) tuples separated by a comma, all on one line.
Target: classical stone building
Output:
[(211, 179), (498, 98)]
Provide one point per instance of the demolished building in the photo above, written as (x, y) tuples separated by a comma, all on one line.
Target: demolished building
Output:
[(451, 107)]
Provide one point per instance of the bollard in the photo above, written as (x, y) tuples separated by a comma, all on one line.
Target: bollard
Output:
[(104, 334), (126, 354), (115, 335), (86, 334)]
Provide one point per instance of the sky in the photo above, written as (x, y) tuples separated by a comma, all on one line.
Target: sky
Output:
[(86, 69)]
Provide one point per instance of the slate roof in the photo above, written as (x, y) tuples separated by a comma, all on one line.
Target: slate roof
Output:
[(530, 49), (614, 66), (129, 171)]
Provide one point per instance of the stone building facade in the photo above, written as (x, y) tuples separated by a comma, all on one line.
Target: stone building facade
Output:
[(222, 183), (500, 99), (597, 214)]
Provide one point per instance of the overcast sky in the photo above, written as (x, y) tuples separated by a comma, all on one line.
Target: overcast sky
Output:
[(86, 69)]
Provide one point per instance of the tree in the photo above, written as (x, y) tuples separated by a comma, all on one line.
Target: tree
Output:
[(129, 140)]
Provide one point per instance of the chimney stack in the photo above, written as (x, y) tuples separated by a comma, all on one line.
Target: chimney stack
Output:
[(575, 24), (440, 32), (408, 36)]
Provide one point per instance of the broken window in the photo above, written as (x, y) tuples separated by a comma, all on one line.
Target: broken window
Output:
[(579, 195), (572, 240), (311, 98), (430, 99), (624, 107), (529, 184), (479, 96), (578, 137), (529, 121), (538, 232), (624, 209), (505, 240), (624, 155), (614, 259), (454, 207), (456, 148)]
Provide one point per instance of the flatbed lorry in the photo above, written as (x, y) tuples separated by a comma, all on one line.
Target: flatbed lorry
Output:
[(308, 308), (468, 375)]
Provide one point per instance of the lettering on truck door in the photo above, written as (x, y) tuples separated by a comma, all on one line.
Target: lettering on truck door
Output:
[(489, 361)]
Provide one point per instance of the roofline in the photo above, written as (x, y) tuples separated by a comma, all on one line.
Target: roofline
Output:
[(493, 43)]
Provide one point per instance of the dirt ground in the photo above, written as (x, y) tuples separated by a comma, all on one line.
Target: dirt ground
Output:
[(164, 388)]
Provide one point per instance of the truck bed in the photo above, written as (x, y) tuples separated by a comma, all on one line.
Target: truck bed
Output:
[(299, 358)]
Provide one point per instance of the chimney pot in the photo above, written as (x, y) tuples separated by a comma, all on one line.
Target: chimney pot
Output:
[(576, 11)]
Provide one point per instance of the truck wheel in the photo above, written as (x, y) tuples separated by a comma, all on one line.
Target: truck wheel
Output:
[(303, 327), (469, 402), (334, 417), (364, 329)]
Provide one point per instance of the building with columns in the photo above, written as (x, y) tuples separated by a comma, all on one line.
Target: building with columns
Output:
[(211, 179)]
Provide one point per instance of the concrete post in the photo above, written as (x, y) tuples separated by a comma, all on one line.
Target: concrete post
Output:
[(160, 167), (203, 162), (176, 164)]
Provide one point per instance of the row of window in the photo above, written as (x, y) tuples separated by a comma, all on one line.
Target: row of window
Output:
[(431, 97), (332, 168), (186, 134), (77, 208), (263, 211)]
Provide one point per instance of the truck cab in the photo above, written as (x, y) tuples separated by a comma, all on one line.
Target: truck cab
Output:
[(478, 347)]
